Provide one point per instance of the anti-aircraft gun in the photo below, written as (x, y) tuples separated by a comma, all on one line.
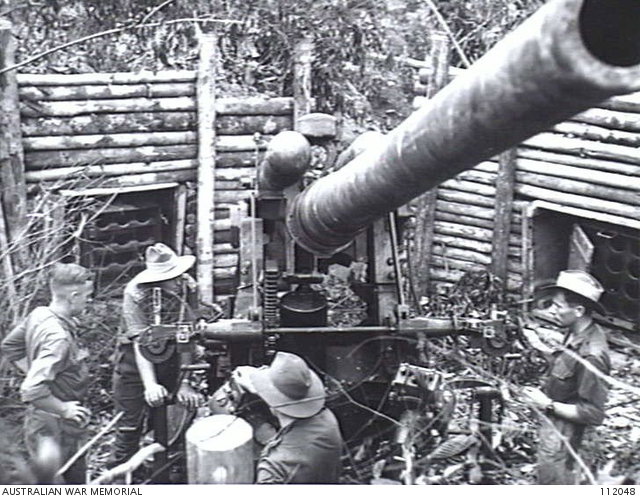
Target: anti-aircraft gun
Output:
[(569, 56)]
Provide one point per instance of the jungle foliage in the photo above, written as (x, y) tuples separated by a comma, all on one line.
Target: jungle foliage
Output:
[(358, 43)]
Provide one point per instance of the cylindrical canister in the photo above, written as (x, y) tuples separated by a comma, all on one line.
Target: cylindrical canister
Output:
[(220, 450)]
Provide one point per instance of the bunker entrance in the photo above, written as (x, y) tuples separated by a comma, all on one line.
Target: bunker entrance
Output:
[(558, 238)]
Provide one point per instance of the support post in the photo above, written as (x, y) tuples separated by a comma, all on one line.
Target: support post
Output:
[(206, 102), (302, 100), (180, 211), (505, 185), (13, 187), (439, 56)]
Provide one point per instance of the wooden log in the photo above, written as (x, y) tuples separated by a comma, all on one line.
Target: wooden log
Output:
[(466, 198), (479, 176), (126, 181), (84, 107), (578, 187), (627, 103), (8, 274), (463, 219), (249, 125), (110, 123), (13, 187), (236, 159), (238, 175), (585, 202), (488, 166), (110, 140), (471, 219), (616, 120), (58, 159), (597, 133), (143, 179), (234, 106), (225, 143), (179, 215), (225, 260), (570, 172), (222, 224), (439, 56), (82, 92), (469, 232), (463, 255), (151, 122), (444, 240), (579, 147), (139, 155), (486, 214), (206, 99), (572, 160), (458, 241), (51, 174), (241, 143), (505, 185), (471, 187), (276, 106), (302, 59), (168, 76), (466, 231)]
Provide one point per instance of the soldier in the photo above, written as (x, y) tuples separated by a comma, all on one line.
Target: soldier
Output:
[(308, 445), (136, 380), (44, 345), (573, 396)]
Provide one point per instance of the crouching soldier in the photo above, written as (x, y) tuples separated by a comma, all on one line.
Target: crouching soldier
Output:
[(308, 444)]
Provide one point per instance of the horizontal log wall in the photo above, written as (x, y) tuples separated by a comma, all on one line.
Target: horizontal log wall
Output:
[(591, 162), (465, 213), (124, 130)]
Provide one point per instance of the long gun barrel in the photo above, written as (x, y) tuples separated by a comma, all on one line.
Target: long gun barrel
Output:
[(569, 56)]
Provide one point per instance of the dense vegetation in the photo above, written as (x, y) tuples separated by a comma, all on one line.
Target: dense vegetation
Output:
[(358, 43)]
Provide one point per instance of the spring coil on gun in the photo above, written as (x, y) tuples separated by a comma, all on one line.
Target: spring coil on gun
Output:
[(270, 297)]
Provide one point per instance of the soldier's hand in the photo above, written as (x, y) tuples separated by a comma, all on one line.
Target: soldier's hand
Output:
[(155, 394), (242, 376), (536, 397), (74, 411), (189, 397)]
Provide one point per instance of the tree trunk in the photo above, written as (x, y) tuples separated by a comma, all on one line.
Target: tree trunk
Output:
[(13, 192)]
